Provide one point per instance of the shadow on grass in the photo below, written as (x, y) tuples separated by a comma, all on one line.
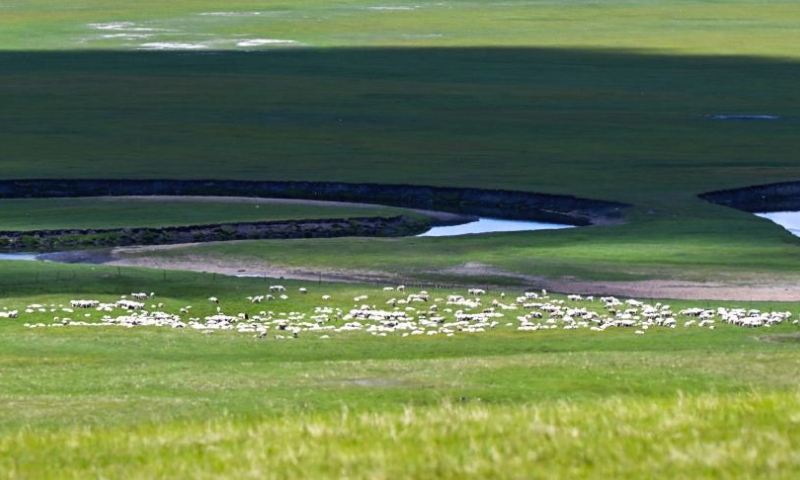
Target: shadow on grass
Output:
[(608, 124)]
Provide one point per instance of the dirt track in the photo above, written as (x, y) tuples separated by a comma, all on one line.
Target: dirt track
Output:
[(753, 289)]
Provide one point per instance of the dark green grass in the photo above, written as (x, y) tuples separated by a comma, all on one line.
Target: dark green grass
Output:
[(612, 125), (80, 213), (624, 126)]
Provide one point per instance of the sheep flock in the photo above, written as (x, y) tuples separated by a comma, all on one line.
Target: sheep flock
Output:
[(403, 315)]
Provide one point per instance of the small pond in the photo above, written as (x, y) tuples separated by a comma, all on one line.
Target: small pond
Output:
[(491, 225)]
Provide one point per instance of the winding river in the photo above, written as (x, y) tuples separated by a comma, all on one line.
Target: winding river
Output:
[(482, 225), (455, 211)]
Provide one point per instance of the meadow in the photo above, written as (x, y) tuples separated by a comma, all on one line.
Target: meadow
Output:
[(728, 27), (624, 126), (122, 212), (83, 402), (611, 99)]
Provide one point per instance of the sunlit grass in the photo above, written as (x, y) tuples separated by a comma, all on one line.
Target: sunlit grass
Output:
[(740, 27), (748, 435), (103, 402)]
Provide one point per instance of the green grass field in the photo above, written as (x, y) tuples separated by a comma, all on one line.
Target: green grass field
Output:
[(625, 124), (79, 402), (80, 213), (730, 27), (601, 99)]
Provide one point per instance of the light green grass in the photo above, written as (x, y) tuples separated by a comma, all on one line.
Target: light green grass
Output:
[(142, 403), (758, 251), (739, 27), (85, 213), (747, 435)]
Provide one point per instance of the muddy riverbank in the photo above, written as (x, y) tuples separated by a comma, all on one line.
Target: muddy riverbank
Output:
[(776, 197), (52, 240)]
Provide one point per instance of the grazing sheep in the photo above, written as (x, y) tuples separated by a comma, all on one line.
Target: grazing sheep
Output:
[(129, 305), (404, 317), (84, 303)]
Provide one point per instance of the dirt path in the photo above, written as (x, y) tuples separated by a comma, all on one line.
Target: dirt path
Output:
[(753, 289), (683, 290), (744, 289), (234, 267)]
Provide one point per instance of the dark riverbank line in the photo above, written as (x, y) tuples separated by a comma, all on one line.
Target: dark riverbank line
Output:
[(505, 204), (51, 240), (776, 197)]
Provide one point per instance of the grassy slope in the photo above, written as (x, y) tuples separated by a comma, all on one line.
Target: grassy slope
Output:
[(576, 117), (446, 117), (33, 214), (686, 402)]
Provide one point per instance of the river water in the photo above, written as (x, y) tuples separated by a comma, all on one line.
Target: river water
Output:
[(788, 220), (491, 225), (18, 256), (482, 225)]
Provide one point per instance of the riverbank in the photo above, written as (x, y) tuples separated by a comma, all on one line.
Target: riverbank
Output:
[(49, 240), (506, 204)]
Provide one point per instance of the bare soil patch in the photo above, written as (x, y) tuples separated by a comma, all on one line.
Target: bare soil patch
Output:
[(750, 289)]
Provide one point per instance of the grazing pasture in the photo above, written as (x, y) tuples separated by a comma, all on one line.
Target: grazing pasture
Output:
[(688, 400), (110, 371)]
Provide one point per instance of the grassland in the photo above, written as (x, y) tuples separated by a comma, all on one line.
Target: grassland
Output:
[(607, 100), (142, 403), (730, 27), (87, 213), (616, 126)]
